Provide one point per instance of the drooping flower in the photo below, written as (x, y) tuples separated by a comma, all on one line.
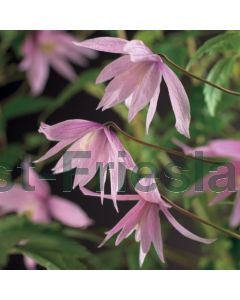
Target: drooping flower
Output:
[(228, 183), (40, 206), (90, 146), (145, 220), (136, 77), (45, 48)]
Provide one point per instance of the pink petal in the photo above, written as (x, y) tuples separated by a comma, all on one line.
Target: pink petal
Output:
[(123, 85), (179, 100), (235, 216), (153, 104), (145, 91), (115, 68), (106, 44), (12, 200), (54, 150), (68, 213), (87, 192), (154, 226), (220, 197), (29, 263), (139, 52), (183, 230), (67, 130), (63, 68), (37, 73)]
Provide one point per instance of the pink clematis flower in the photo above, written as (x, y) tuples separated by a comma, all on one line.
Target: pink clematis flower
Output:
[(136, 78), (145, 220), (100, 143), (40, 205), (220, 148), (46, 48)]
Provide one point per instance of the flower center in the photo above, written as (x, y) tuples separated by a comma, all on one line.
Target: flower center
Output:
[(48, 47)]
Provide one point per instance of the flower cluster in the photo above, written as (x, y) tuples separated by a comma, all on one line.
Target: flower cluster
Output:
[(135, 79)]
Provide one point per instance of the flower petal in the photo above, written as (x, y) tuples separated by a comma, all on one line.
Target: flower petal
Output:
[(106, 44), (179, 100), (67, 130), (63, 67), (183, 230), (235, 216), (115, 68), (68, 212)]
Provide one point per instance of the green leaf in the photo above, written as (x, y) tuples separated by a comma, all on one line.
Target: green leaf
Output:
[(11, 155), (219, 74), (222, 42), (44, 243), (22, 106)]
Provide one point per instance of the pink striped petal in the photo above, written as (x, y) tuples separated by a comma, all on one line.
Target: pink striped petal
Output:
[(220, 197), (145, 91), (179, 100), (68, 213), (67, 130), (106, 44), (115, 68), (54, 150), (183, 230)]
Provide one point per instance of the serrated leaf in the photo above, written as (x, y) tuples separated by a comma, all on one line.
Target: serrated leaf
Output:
[(22, 106), (220, 43), (219, 74)]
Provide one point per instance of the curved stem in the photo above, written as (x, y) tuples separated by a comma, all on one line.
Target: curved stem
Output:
[(171, 151), (170, 62), (195, 217)]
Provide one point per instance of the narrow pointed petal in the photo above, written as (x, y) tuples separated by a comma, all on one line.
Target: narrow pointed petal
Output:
[(87, 192), (183, 230), (63, 68), (106, 44), (145, 90), (220, 197), (153, 103), (67, 130), (179, 100), (155, 230), (68, 213), (115, 68), (38, 73), (235, 216), (54, 150)]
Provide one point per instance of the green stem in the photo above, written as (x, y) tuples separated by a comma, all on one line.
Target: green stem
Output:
[(170, 62), (197, 218), (171, 151)]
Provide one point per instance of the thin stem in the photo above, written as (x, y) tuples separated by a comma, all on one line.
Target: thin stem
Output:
[(170, 62), (171, 151), (195, 217)]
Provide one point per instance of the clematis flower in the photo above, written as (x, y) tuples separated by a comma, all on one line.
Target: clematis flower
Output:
[(86, 137), (136, 77), (40, 206), (145, 220), (220, 148), (45, 48)]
